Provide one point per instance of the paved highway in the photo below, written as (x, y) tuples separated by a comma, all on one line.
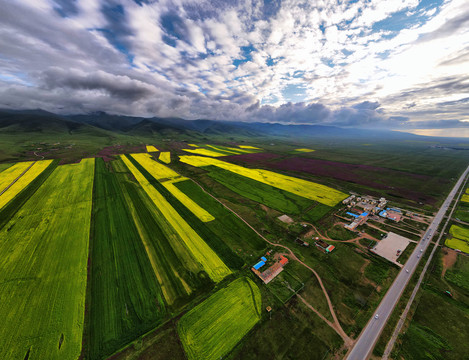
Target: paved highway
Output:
[(370, 334)]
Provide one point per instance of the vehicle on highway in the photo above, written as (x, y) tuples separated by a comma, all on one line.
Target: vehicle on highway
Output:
[(418, 255), (421, 250), (406, 270), (376, 316)]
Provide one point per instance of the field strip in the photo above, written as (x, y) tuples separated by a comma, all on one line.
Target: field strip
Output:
[(43, 280), (213, 328), (124, 296), (337, 327), (210, 261), (310, 190), (207, 152), (151, 148), (162, 172), (174, 265), (165, 156), (22, 182), (9, 175)]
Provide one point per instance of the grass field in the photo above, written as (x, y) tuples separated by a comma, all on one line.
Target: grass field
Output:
[(459, 273), (212, 264), (23, 181), (313, 191), (4, 166), (43, 280), (168, 177), (12, 172), (151, 148), (214, 327), (126, 300), (165, 156), (440, 324)]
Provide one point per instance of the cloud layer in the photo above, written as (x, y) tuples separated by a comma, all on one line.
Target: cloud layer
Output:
[(394, 64)]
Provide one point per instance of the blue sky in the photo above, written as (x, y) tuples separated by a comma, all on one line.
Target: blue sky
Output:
[(392, 64)]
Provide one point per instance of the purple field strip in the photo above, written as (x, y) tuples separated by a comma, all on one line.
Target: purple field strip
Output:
[(367, 175)]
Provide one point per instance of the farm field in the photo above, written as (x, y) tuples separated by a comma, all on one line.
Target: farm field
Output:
[(465, 198), (304, 150), (125, 298), (414, 187), (168, 177), (440, 324), (23, 181), (460, 238), (151, 148), (206, 152), (212, 264), (214, 327), (275, 198), (165, 156), (12, 172), (226, 226), (179, 274), (313, 191), (43, 280)]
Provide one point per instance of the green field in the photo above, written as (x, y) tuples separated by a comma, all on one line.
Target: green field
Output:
[(43, 278), (125, 298), (275, 198), (211, 329), (440, 324), (192, 223), (227, 226), (178, 272)]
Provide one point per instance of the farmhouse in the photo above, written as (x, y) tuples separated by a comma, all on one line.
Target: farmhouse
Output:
[(324, 246), (269, 274)]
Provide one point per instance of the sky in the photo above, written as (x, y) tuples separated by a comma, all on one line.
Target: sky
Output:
[(391, 64)]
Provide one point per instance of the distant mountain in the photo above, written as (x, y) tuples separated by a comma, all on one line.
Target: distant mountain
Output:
[(34, 121), (101, 123)]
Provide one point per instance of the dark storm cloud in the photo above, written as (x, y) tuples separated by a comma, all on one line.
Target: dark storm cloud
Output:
[(116, 86)]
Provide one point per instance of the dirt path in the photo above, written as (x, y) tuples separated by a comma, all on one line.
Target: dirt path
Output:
[(449, 259), (336, 325), (11, 184)]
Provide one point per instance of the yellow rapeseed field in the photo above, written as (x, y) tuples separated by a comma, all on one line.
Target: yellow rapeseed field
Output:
[(151, 148), (207, 152), (465, 198), (23, 181), (304, 150), (7, 176), (165, 157), (167, 177), (193, 145), (210, 261), (310, 190)]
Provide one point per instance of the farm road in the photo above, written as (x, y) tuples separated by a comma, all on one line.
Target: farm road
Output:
[(336, 325)]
